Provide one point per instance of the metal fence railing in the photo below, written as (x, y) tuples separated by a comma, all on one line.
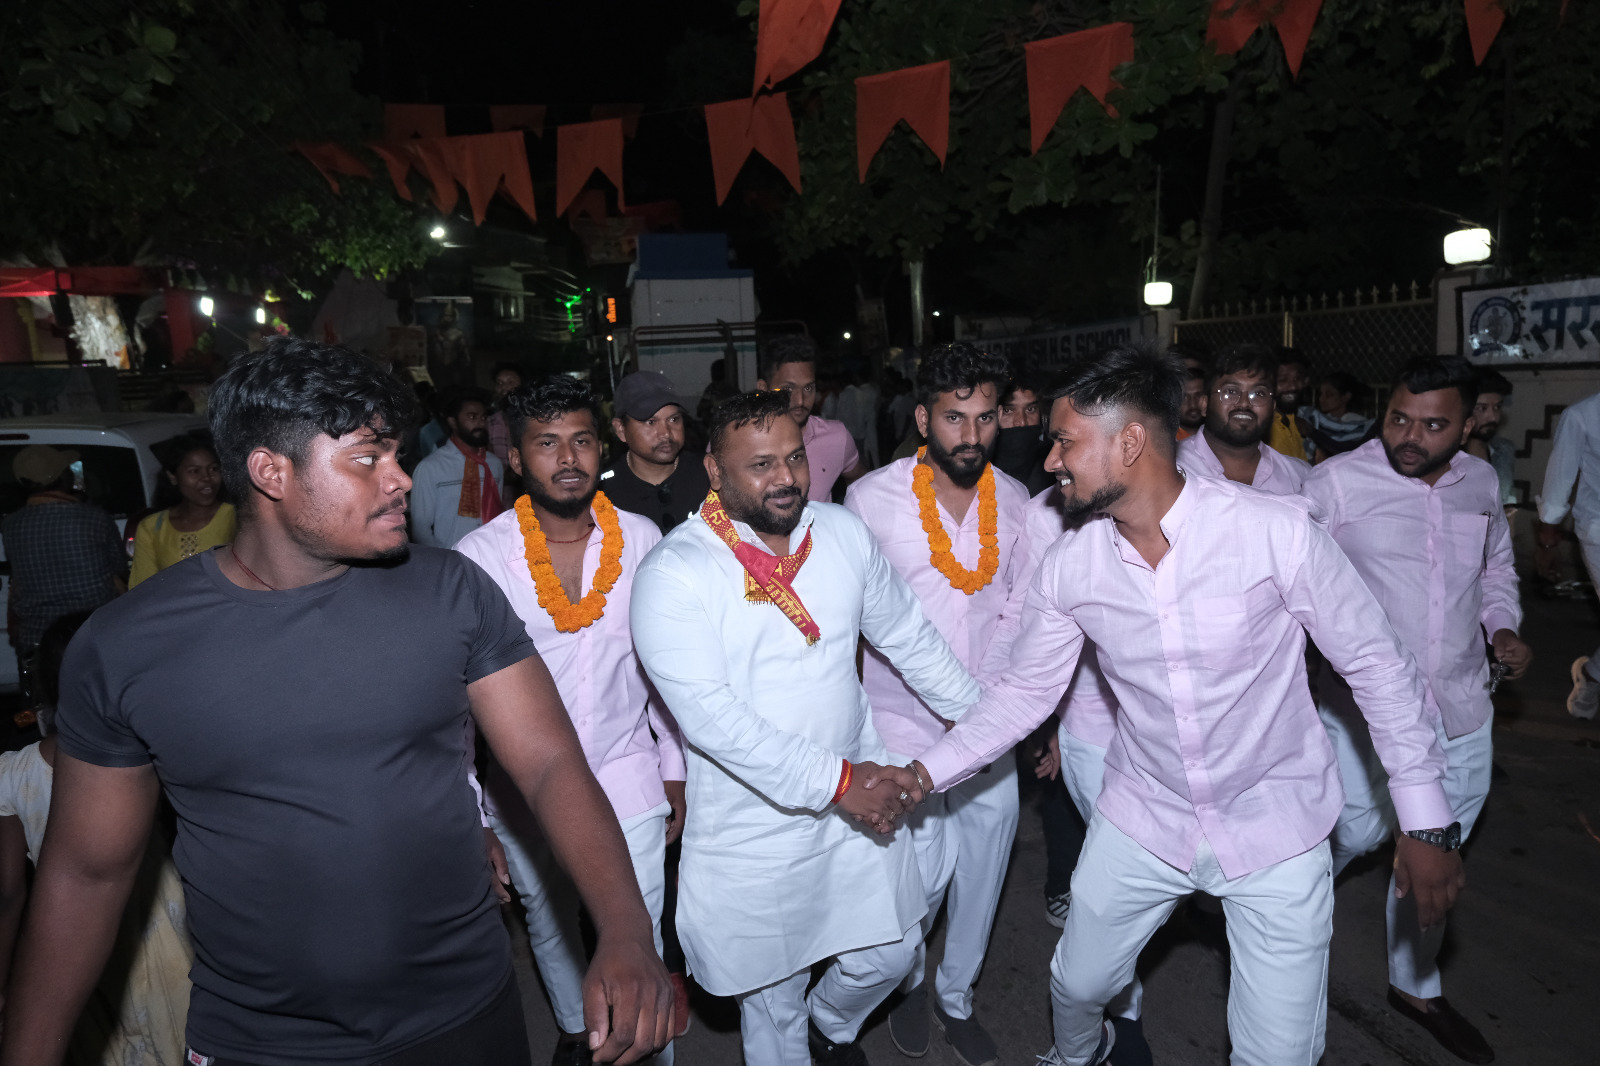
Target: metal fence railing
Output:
[(1364, 334)]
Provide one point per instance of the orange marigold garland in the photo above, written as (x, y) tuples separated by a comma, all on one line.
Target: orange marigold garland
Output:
[(571, 617), (944, 561)]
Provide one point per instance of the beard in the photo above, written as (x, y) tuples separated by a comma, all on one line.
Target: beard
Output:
[(753, 512), (1486, 430), (566, 507), (1237, 438), (964, 466), (477, 438), (1429, 462), (1078, 511)]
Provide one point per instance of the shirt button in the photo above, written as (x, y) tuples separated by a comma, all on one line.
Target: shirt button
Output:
[(1163, 616)]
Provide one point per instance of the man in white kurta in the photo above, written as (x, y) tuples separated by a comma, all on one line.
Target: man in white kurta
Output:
[(774, 876), (962, 837)]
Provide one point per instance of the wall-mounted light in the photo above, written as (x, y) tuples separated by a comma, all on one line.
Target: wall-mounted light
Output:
[(261, 316), (1467, 246), (437, 233), (1157, 293), (207, 306), (936, 314), (846, 334)]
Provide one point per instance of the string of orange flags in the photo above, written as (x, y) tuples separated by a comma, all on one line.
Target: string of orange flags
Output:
[(790, 34)]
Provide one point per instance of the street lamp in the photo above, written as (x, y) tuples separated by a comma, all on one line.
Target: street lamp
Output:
[(1467, 246), (846, 334), (261, 316), (1157, 293), (936, 314), (207, 306), (437, 233)]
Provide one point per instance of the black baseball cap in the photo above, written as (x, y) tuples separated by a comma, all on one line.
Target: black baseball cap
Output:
[(644, 392)]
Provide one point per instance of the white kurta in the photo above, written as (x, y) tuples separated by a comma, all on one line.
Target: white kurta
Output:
[(773, 879)]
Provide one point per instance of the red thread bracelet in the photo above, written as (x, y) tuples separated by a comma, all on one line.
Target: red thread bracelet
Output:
[(844, 782)]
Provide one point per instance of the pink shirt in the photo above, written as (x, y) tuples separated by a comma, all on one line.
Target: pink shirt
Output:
[(1089, 709), (1279, 474), (977, 627), (1438, 558), (612, 705), (1216, 732), (831, 451)]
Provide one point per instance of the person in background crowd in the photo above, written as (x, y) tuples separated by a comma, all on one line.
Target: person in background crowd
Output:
[(1198, 594), (1572, 486), (332, 858), (717, 390), (565, 557), (135, 1014), (955, 529), (1196, 397), (1421, 522), (433, 431), (747, 618), (1294, 378), (901, 410), (1486, 443), (789, 364), (199, 521), (507, 376), (653, 476), (457, 488), (1238, 414), (65, 554), (858, 411), (1020, 448), (1335, 426)]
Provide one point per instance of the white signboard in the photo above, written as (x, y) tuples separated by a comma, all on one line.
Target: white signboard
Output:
[(1558, 322), (1059, 348)]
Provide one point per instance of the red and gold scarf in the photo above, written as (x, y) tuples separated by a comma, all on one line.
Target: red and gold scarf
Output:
[(475, 504), (767, 578)]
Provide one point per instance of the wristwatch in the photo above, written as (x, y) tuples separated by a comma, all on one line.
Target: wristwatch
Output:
[(1446, 839)]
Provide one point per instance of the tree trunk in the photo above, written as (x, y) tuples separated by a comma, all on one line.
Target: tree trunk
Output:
[(1211, 219), (98, 330), (914, 268)]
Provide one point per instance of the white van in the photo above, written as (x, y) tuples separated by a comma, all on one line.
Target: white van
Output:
[(116, 470)]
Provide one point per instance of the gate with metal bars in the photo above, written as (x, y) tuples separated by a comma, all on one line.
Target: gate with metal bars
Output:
[(1364, 334)]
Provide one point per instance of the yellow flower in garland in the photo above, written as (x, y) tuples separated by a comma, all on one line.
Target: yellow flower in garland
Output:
[(944, 561), (571, 617)]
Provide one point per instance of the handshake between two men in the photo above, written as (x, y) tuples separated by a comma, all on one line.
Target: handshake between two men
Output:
[(878, 796)]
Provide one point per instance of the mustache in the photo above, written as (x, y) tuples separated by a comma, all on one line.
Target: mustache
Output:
[(399, 507), (789, 493)]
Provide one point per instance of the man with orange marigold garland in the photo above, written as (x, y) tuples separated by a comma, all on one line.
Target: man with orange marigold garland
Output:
[(565, 558), (955, 528), (747, 618)]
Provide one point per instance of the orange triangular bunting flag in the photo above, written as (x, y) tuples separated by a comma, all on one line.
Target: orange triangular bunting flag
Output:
[(739, 127), (581, 149), (403, 121), (398, 162), (920, 95), (1484, 19), (1233, 21), (487, 163), (1060, 66), (330, 159), (628, 113), (790, 34), (431, 155)]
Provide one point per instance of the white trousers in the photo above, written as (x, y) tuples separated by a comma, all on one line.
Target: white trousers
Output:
[(772, 1020), (1083, 768), (1367, 821), (962, 839), (1280, 920), (551, 902)]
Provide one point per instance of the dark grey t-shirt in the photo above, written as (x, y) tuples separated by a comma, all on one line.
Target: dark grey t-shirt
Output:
[(312, 743)]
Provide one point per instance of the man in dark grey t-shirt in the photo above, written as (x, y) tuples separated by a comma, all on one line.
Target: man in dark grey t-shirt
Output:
[(301, 698)]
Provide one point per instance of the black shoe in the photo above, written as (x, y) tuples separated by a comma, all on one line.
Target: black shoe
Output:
[(1454, 1033), (573, 1053), (971, 1042), (825, 1052), (1131, 1047), (909, 1027)]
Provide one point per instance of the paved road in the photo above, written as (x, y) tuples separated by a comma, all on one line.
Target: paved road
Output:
[(1521, 958)]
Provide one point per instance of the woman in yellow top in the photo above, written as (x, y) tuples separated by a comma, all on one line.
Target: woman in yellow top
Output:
[(198, 522)]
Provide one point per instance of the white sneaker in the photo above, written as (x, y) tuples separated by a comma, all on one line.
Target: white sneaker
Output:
[(1108, 1040), (1584, 700), (1056, 907)]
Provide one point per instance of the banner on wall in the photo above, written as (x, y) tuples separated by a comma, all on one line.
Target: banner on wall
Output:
[(1062, 347), (1558, 322)]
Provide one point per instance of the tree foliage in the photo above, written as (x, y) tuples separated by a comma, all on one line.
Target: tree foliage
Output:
[(1347, 175), (161, 132)]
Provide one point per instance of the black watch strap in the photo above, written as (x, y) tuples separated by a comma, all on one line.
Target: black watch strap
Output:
[(1446, 839)]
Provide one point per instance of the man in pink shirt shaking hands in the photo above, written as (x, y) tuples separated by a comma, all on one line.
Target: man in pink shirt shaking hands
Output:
[(1422, 522), (1198, 595), (956, 528)]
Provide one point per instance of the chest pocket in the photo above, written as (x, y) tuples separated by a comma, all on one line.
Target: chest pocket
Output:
[(1222, 631), (1467, 540)]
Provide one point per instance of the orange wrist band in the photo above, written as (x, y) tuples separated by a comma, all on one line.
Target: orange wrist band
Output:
[(844, 782)]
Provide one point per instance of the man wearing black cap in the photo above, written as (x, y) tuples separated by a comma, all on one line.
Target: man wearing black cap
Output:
[(66, 555), (653, 477)]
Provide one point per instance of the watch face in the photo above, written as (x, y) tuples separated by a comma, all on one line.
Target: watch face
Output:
[(1452, 836)]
